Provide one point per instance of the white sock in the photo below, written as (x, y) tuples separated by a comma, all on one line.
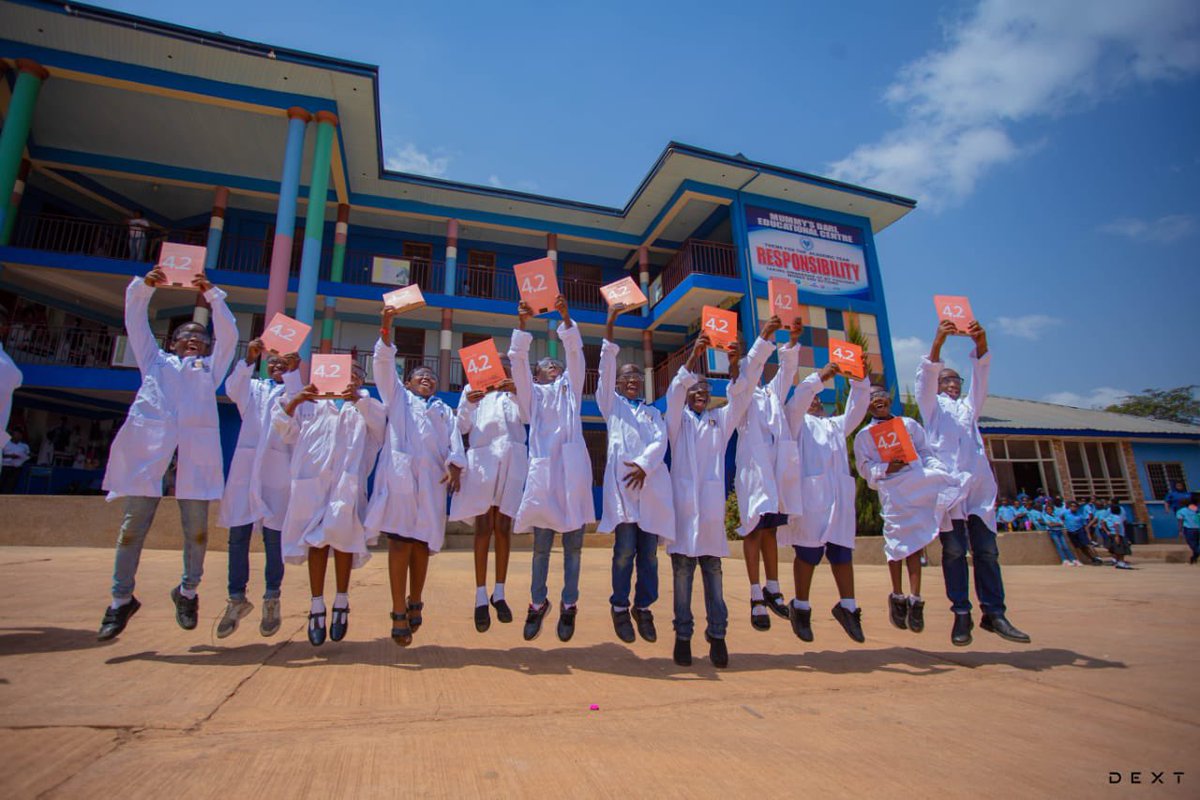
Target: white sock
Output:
[(756, 591), (119, 601), (498, 592), (773, 587), (341, 600), (480, 596), (318, 606), (801, 605), (848, 604), (897, 595), (914, 598), (617, 610), (568, 606)]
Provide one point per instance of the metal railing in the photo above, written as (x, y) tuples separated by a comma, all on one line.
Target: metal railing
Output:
[(61, 234), (699, 256), (58, 345)]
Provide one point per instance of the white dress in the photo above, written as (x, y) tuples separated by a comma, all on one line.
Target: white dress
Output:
[(10, 379), (497, 460), (768, 457)]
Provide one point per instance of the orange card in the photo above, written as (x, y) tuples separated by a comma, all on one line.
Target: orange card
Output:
[(892, 441), (284, 335), (405, 299), (181, 262), (847, 356), (720, 325), (481, 364), (624, 291), (954, 308), (783, 300), (537, 283), (331, 373)]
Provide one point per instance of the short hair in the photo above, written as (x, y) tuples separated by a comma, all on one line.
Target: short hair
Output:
[(626, 369), (548, 362), (698, 385), (879, 387)]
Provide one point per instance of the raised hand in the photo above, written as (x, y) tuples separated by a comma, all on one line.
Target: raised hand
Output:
[(560, 305), (201, 283), (524, 312), (475, 395), (155, 277), (796, 329), (698, 349), (254, 351), (828, 371), (770, 327)]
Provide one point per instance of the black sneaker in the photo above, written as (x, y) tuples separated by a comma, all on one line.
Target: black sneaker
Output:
[(623, 625), (898, 611), (760, 622), (115, 619), (683, 652), (801, 622), (483, 618), (776, 602), (644, 618), (503, 612), (718, 653), (1003, 628), (916, 615), (533, 621), (339, 624), (960, 634), (566, 623), (187, 609), (851, 622)]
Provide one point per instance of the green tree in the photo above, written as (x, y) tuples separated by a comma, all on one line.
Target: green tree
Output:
[(1175, 405)]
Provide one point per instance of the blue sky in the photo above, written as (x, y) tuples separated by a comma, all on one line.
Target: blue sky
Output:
[(1054, 146)]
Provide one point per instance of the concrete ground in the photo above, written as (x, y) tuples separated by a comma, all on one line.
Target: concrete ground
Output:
[(1108, 687)]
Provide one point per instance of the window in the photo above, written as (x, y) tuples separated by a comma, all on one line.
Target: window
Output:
[(1097, 469), (580, 284), (1026, 464), (409, 341), (421, 256), (479, 278), (1163, 476)]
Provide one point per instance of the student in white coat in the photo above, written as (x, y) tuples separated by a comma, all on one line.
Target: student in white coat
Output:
[(915, 500), (10, 380), (699, 436), (768, 481), (558, 489), (490, 485), (827, 526), (637, 488), (952, 425), (260, 463), (334, 444), (175, 407), (415, 467)]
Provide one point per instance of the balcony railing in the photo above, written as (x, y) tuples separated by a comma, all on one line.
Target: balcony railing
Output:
[(665, 371), (699, 256), (59, 346), (105, 239)]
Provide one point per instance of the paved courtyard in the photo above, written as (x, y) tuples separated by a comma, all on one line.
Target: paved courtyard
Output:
[(1109, 685)]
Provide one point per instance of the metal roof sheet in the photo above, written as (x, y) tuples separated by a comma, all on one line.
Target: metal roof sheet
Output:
[(1004, 413)]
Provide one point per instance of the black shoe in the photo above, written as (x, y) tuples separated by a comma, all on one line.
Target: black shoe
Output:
[(503, 612), (760, 622), (115, 619), (683, 652), (533, 621), (483, 618), (801, 622), (644, 618), (1003, 628), (960, 634), (718, 653), (316, 628), (566, 623), (898, 611), (339, 624), (776, 602), (414, 614), (851, 622), (1191, 560), (916, 615), (187, 609), (623, 625), (1099, 562)]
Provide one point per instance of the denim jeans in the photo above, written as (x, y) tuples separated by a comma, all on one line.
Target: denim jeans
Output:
[(139, 514), (543, 540), (1060, 544), (239, 561), (989, 587), (684, 569), (1192, 537), (633, 542)]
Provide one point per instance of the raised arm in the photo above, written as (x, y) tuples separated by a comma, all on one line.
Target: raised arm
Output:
[(225, 335), (572, 341), (606, 391), (741, 391), (464, 415), (684, 380), (518, 358), (856, 406), (802, 398), (387, 381), (137, 321), (785, 376), (981, 362), (237, 385)]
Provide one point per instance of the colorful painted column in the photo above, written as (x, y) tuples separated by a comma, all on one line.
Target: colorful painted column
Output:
[(15, 134), (552, 254), (445, 339), (336, 268), (644, 276), (314, 223), (285, 216), (10, 218), (451, 279), (216, 227), (648, 363)]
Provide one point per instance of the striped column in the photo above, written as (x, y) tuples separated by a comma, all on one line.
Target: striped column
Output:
[(10, 217), (336, 268), (314, 224), (216, 227), (552, 254), (644, 276), (285, 216), (451, 278), (15, 134), (648, 363), (445, 339)]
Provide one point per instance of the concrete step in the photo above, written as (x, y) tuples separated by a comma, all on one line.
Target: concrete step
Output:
[(1162, 553)]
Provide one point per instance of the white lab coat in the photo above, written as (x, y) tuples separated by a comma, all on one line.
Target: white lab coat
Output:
[(915, 500), (176, 406), (637, 433), (497, 460), (768, 456), (10, 379), (698, 444), (558, 489), (409, 497), (828, 486), (259, 468), (332, 454), (953, 431)]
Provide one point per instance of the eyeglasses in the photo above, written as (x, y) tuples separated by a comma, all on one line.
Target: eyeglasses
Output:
[(192, 336), (951, 379)]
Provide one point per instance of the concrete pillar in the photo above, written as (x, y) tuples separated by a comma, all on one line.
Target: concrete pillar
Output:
[(336, 269), (15, 134), (216, 227), (314, 224), (14, 204), (552, 254), (648, 363), (450, 284), (644, 276), (285, 215)]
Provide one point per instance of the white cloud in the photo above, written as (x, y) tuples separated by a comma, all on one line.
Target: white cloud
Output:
[(1099, 397), (408, 158), (1030, 326), (1163, 230), (1009, 61), (907, 352), (494, 180), (520, 186)]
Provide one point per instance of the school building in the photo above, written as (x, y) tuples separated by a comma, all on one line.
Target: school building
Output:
[(273, 159)]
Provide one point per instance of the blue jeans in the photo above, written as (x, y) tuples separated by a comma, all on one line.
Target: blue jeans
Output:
[(632, 541), (543, 540), (1192, 537), (684, 569), (239, 561), (1060, 544), (989, 587), (139, 515)]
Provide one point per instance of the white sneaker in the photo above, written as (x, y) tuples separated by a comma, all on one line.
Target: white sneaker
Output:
[(1076, 564), (1066, 563), (234, 611), (270, 617)]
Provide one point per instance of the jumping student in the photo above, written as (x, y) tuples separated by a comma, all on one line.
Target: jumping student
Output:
[(558, 489), (914, 500), (768, 480), (334, 444), (256, 491), (699, 437), (828, 526), (637, 488), (175, 407), (415, 469), (952, 425)]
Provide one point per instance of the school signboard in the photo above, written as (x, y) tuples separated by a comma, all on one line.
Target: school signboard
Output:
[(821, 257)]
